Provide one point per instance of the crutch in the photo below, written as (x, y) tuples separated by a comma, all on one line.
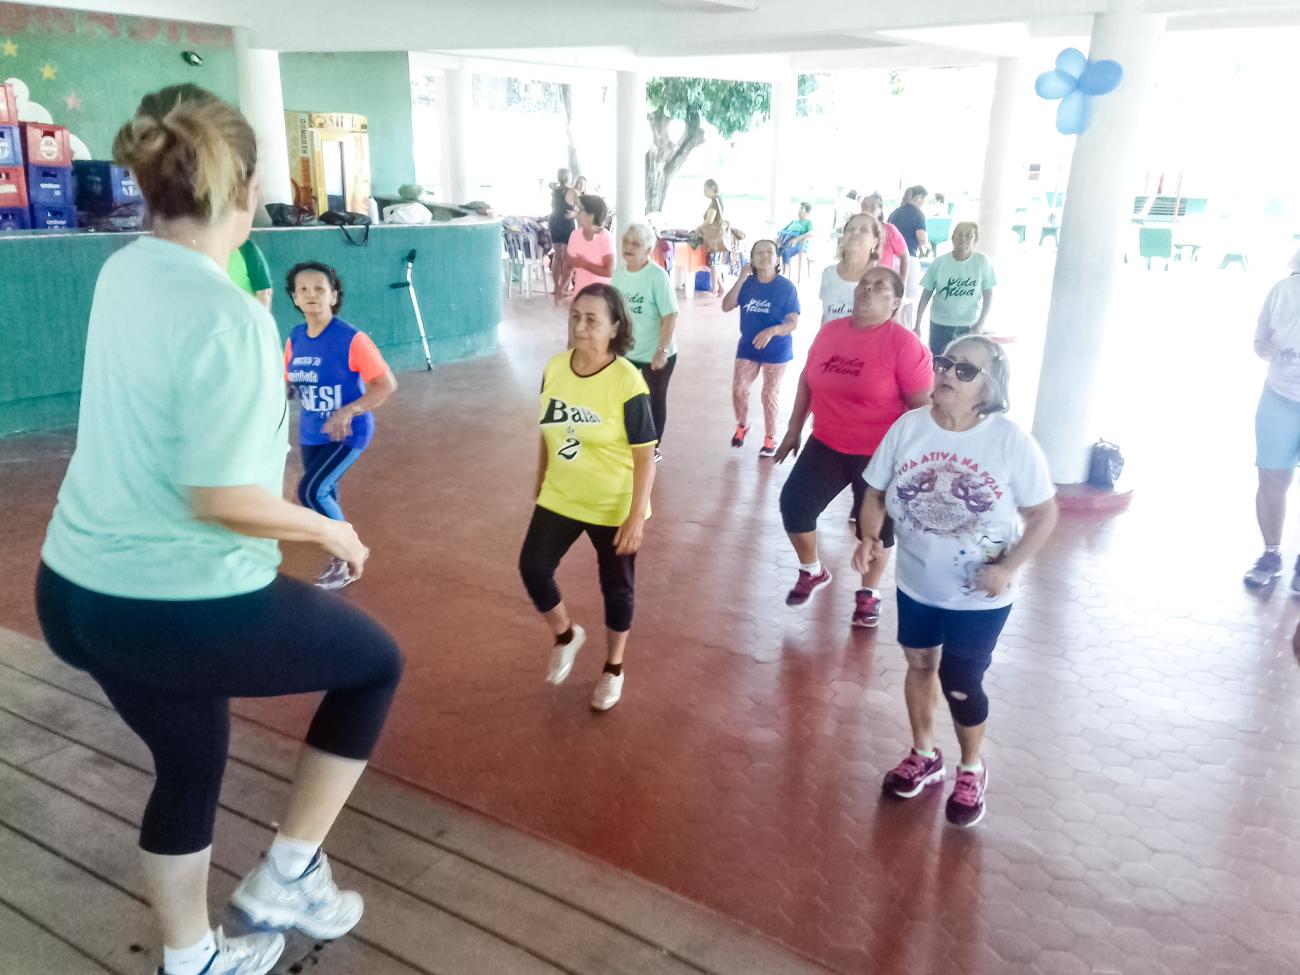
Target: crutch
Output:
[(415, 306)]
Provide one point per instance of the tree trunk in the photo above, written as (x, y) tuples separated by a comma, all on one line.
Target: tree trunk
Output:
[(665, 157), (566, 96)]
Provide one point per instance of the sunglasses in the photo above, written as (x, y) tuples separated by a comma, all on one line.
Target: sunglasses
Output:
[(964, 371)]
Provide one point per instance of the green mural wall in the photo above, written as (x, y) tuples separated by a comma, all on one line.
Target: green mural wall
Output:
[(88, 70), (457, 279), (376, 85)]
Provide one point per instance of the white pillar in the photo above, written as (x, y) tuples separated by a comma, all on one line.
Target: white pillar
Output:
[(1000, 157), (632, 128), (1098, 207), (457, 106), (785, 98), (261, 99)]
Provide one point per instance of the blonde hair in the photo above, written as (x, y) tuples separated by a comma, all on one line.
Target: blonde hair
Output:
[(192, 154)]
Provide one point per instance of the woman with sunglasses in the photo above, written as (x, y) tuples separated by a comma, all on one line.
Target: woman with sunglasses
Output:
[(972, 502), (862, 374)]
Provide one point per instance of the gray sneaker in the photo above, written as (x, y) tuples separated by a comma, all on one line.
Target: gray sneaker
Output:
[(253, 954), (336, 576), (312, 903), (1267, 568)]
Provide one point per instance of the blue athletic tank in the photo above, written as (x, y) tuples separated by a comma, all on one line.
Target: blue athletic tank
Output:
[(320, 369)]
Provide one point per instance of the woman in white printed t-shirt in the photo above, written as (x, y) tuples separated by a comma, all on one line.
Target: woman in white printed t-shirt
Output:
[(859, 253), (1277, 422), (972, 501)]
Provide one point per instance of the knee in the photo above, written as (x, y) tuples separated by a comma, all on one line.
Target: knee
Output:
[(963, 687)]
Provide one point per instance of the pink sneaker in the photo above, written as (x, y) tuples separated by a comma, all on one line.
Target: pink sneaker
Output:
[(867, 609), (914, 773), (805, 585), (966, 804)]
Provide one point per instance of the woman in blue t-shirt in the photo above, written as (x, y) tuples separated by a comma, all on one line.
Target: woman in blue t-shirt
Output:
[(769, 312), (339, 377)]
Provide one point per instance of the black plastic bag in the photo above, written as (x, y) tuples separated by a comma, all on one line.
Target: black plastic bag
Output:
[(288, 215), (1105, 465)]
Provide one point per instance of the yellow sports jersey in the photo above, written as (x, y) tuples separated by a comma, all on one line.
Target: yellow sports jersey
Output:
[(590, 425)]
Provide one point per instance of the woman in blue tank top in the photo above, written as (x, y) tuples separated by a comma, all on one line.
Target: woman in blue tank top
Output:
[(339, 377)]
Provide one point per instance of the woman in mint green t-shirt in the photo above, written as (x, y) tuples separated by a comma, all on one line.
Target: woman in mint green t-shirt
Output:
[(648, 292), (961, 286), (159, 570)]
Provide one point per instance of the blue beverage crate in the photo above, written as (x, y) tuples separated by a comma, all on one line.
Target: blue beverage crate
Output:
[(12, 219), (51, 185), (46, 217), (11, 146), (103, 186)]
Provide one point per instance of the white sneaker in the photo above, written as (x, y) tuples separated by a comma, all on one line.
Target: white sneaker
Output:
[(607, 692), (336, 576), (253, 954), (563, 655), (312, 903)]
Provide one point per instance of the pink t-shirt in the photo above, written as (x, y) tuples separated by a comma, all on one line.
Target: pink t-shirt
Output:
[(858, 378), (595, 250), (891, 247)]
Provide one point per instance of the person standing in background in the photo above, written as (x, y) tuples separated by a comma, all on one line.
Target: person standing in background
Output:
[(909, 218), (248, 269), (961, 284)]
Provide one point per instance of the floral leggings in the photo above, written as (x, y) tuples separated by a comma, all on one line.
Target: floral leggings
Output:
[(747, 371)]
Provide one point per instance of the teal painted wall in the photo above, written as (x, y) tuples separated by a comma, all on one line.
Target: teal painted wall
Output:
[(47, 282), (376, 85), (90, 70)]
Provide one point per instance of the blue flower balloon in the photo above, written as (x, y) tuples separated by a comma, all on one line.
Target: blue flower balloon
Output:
[(1075, 80)]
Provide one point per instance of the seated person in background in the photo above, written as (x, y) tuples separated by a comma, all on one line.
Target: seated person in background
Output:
[(793, 238)]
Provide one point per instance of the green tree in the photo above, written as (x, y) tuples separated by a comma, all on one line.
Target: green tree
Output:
[(730, 107)]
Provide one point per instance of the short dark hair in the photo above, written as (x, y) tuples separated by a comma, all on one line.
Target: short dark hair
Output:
[(805, 205), (895, 280), (336, 283), (623, 340), (594, 205), (852, 194), (917, 190)]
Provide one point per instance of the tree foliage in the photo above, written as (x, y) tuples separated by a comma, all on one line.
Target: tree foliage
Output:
[(731, 107)]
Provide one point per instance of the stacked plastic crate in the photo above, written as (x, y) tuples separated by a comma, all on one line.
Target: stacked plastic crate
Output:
[(48, 153), (14, 214), (107, 196)]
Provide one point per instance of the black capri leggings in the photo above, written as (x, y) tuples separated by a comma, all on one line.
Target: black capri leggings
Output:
[(819, 475), (170, 667), (657, 380), (549, 537)]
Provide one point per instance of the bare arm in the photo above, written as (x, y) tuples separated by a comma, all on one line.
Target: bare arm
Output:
[(667, 326), (920, 310), (254, 511), (798, 417), (605, 268), (984, 311), (922, 242), (788, 325), (914, 401), (339, 425), (264, 298), (628, 537), (731, 300), (1040, 520), (904, 261)]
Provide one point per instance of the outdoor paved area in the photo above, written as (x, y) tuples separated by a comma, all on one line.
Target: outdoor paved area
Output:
[(1144, 745)]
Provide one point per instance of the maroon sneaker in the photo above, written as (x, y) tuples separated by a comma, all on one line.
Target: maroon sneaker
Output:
[(966, 804), (803, 588), (867, 611), (914, 773)]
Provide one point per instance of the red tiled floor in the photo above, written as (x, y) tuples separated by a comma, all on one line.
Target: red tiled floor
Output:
[(1144, 736)]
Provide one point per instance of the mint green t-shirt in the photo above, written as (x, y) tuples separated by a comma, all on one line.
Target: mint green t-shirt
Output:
[(958, 288), (183, 387), (649, 296)]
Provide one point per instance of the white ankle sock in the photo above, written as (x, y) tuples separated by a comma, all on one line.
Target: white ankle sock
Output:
[(812, 568), (291, 857), (977, 767), (191, 960), (925, 752)]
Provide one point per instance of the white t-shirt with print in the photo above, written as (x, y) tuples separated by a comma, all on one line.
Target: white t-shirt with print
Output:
[(1279, 331), (836, 295), (955, 500)]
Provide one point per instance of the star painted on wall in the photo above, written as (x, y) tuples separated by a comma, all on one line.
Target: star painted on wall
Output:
[(48, 73), (73, 102), (10, 48)]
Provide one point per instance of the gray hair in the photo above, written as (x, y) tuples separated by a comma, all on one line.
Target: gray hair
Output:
[(996, 376), (642, 232)]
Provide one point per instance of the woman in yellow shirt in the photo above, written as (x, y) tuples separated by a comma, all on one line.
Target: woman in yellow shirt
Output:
[(594, 475)]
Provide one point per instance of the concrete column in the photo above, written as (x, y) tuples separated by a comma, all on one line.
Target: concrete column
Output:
[(785, 98), (457, 106), (1000, 158), (632, 130), (1098, 208), (261, 99)]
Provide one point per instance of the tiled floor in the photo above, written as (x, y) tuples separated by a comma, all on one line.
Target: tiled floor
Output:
[(1144, 743)]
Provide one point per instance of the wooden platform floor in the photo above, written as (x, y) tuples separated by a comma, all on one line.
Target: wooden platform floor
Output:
[(448, 892)]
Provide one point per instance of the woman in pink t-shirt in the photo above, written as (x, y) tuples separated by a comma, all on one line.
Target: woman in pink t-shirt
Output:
[(862, 374), (893, 249), (590, 255)]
